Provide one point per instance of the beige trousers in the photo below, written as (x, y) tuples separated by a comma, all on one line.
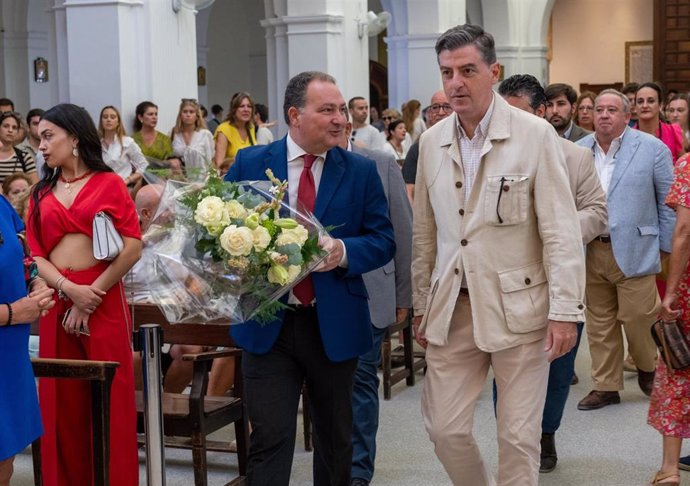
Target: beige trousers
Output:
[(456, 374), (614, 300)]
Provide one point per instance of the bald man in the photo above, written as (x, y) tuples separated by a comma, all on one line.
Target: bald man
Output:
[(438, 109)]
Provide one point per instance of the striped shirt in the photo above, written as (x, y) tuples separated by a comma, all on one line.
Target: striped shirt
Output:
[(13, 164)]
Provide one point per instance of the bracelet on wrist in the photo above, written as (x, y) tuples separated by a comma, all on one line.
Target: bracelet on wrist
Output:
[(9, 314), (58, 287)]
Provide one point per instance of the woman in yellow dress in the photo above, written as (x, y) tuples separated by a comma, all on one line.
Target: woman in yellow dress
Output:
[(236, 132)]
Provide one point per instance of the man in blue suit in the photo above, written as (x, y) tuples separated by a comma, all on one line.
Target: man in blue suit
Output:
[(636, 172), (318, 339)]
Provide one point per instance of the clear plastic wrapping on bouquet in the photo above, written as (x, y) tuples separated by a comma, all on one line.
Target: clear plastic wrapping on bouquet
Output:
[(228, 251)]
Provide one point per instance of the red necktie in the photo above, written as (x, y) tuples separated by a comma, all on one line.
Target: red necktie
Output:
[(306, 196)]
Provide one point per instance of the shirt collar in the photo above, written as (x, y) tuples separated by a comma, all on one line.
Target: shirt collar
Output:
[(615, 143), (294, 151), (483, 127), (567, 133)]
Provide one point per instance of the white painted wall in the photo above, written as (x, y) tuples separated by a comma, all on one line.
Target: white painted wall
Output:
[(599, 56), (41, 95), (236, 56)]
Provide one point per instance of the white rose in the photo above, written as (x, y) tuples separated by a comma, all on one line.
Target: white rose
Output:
[(211, 212), (278, 274), (237, 241), (236, 210), (297, 235), (262, 238), (293, 272)]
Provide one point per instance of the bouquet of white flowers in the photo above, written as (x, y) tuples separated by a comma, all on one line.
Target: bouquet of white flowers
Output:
[(225, 250)]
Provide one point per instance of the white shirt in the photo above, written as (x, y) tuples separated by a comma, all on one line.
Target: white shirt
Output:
[(263, 136), (124, 157), (390, 149), (369, 136), (606, 162), (472, 149), (202, 142)]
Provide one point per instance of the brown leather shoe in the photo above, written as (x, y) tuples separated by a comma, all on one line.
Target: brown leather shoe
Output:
[(646, 381), (599, 399)]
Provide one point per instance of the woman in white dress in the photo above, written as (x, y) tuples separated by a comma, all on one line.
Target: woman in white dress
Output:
[(120, 152), (191, 141)]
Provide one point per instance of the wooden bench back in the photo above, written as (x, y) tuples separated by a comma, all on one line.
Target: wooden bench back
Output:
[(187, 333)]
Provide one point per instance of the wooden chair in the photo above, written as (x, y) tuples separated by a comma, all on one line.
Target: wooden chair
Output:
[(413, 361), (100, 374), (188, 419)]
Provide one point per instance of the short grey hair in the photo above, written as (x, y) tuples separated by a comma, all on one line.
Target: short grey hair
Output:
[(611, 91), (468, 34), (296, 90)]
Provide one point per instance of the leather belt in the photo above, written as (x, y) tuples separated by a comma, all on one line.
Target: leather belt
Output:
[(603, 239)]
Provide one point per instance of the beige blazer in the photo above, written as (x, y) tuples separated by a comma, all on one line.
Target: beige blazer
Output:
[(590, 200), (503, 262)]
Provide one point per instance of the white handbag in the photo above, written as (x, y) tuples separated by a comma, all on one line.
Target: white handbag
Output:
[(107, 242)]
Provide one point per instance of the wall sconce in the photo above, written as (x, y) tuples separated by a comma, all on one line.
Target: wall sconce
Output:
[(374, 24), (40, 70), (195, 5)]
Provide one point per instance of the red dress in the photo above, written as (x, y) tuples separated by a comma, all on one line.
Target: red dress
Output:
[(66, 404), (669, 407)]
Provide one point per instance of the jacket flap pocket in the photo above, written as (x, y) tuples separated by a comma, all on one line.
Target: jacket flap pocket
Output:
[(389, 267), (648, 230), (523, 277)]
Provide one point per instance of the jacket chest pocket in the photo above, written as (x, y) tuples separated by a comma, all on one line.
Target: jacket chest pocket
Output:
[(506, 200)]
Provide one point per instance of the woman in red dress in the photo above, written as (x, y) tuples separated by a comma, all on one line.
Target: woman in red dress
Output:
[(63, 205), (669, 408)]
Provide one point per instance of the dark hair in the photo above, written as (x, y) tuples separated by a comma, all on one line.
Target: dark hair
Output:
[(351, 103), (655, 87), (216, 109), (557, 89), (392, 126), (468, 34), (235, 103), (204, 111), (7, 101), (630, 88), (296, 90), (524, 85), (77, 122), (34, 112), (262, 110), (14, 177), (11, 114), (140, 110)]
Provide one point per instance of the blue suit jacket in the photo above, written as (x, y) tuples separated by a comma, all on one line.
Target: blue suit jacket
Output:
[(350, 198), (640, 223)]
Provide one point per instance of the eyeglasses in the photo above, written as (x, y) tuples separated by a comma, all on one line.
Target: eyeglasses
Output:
[(386, 118), (10, 114), (436, 107)]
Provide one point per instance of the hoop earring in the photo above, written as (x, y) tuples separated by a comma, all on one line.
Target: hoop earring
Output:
[(75, 152)]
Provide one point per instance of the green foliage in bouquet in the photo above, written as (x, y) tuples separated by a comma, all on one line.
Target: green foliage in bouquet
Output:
[(260, 251)]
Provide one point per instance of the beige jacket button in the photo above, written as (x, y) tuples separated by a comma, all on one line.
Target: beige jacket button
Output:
[(463, 242), (527, 281), (458, 184)]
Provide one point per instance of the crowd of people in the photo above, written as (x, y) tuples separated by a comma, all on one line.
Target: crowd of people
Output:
[(492, 217)]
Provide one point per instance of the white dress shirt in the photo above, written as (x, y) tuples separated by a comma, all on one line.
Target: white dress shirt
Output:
[(202, 142), (605, 162), (472, 149), (124, 156)]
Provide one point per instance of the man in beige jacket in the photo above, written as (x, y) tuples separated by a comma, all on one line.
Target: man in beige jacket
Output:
[(492, 212)]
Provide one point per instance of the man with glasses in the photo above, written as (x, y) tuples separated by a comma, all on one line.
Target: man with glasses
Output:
[(636, 171), (438, 109), (363, 134), (492, 217), (560, 108)]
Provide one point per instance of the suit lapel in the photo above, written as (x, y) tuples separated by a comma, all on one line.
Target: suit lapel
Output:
[(624, 157), (333, 171)]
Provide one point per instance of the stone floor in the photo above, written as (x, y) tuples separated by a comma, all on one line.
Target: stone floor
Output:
[(608, 447)]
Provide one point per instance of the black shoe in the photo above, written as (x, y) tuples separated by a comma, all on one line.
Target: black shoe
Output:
[(359, 482), (549, 458), (646, 381), (684, 463)]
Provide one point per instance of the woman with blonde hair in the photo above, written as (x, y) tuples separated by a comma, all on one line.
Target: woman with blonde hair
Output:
[(120, 152), (191, 141), (411, 115), (237, 131)]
